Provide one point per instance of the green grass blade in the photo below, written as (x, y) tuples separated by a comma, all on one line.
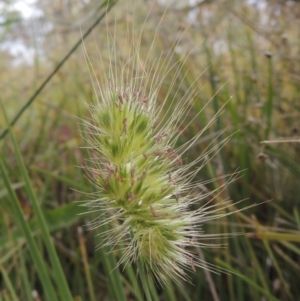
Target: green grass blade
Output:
[(113, 274), (133, 279), (36, 256), (9, 285), (276, 266), (25, 278), (58, 272), (246, 279), (86, 265), (270, 99), (144, 280)]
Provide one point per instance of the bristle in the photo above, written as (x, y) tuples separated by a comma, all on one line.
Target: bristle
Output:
[(146, 191)]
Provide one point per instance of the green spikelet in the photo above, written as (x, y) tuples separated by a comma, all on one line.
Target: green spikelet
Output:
[(144, 189)]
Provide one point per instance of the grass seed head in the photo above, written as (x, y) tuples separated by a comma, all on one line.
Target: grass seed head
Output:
[(145, 191)]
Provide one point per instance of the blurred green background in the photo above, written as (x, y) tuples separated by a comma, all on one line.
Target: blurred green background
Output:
[(241, 54)]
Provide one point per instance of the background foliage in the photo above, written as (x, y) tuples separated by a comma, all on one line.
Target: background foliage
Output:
[(248, 52)]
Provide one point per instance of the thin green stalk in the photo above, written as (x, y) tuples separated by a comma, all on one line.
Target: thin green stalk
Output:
[(144, 280), (297, 217), (170, 293), (215, 98), (36, 256), (246, 279), (25, 277), (109, 4), (291, 247), (152, 289), (238, 286), (236, 75), (185, 295), (9, 254), (86, 265), (18, 248), (268, 235), (251, 49), (133, 279), (109, 262), (276, 266), (255, 261), (8, 284), (270, 99), (60, 279)]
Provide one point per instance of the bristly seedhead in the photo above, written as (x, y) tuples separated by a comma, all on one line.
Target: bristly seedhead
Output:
[(144, 188)]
